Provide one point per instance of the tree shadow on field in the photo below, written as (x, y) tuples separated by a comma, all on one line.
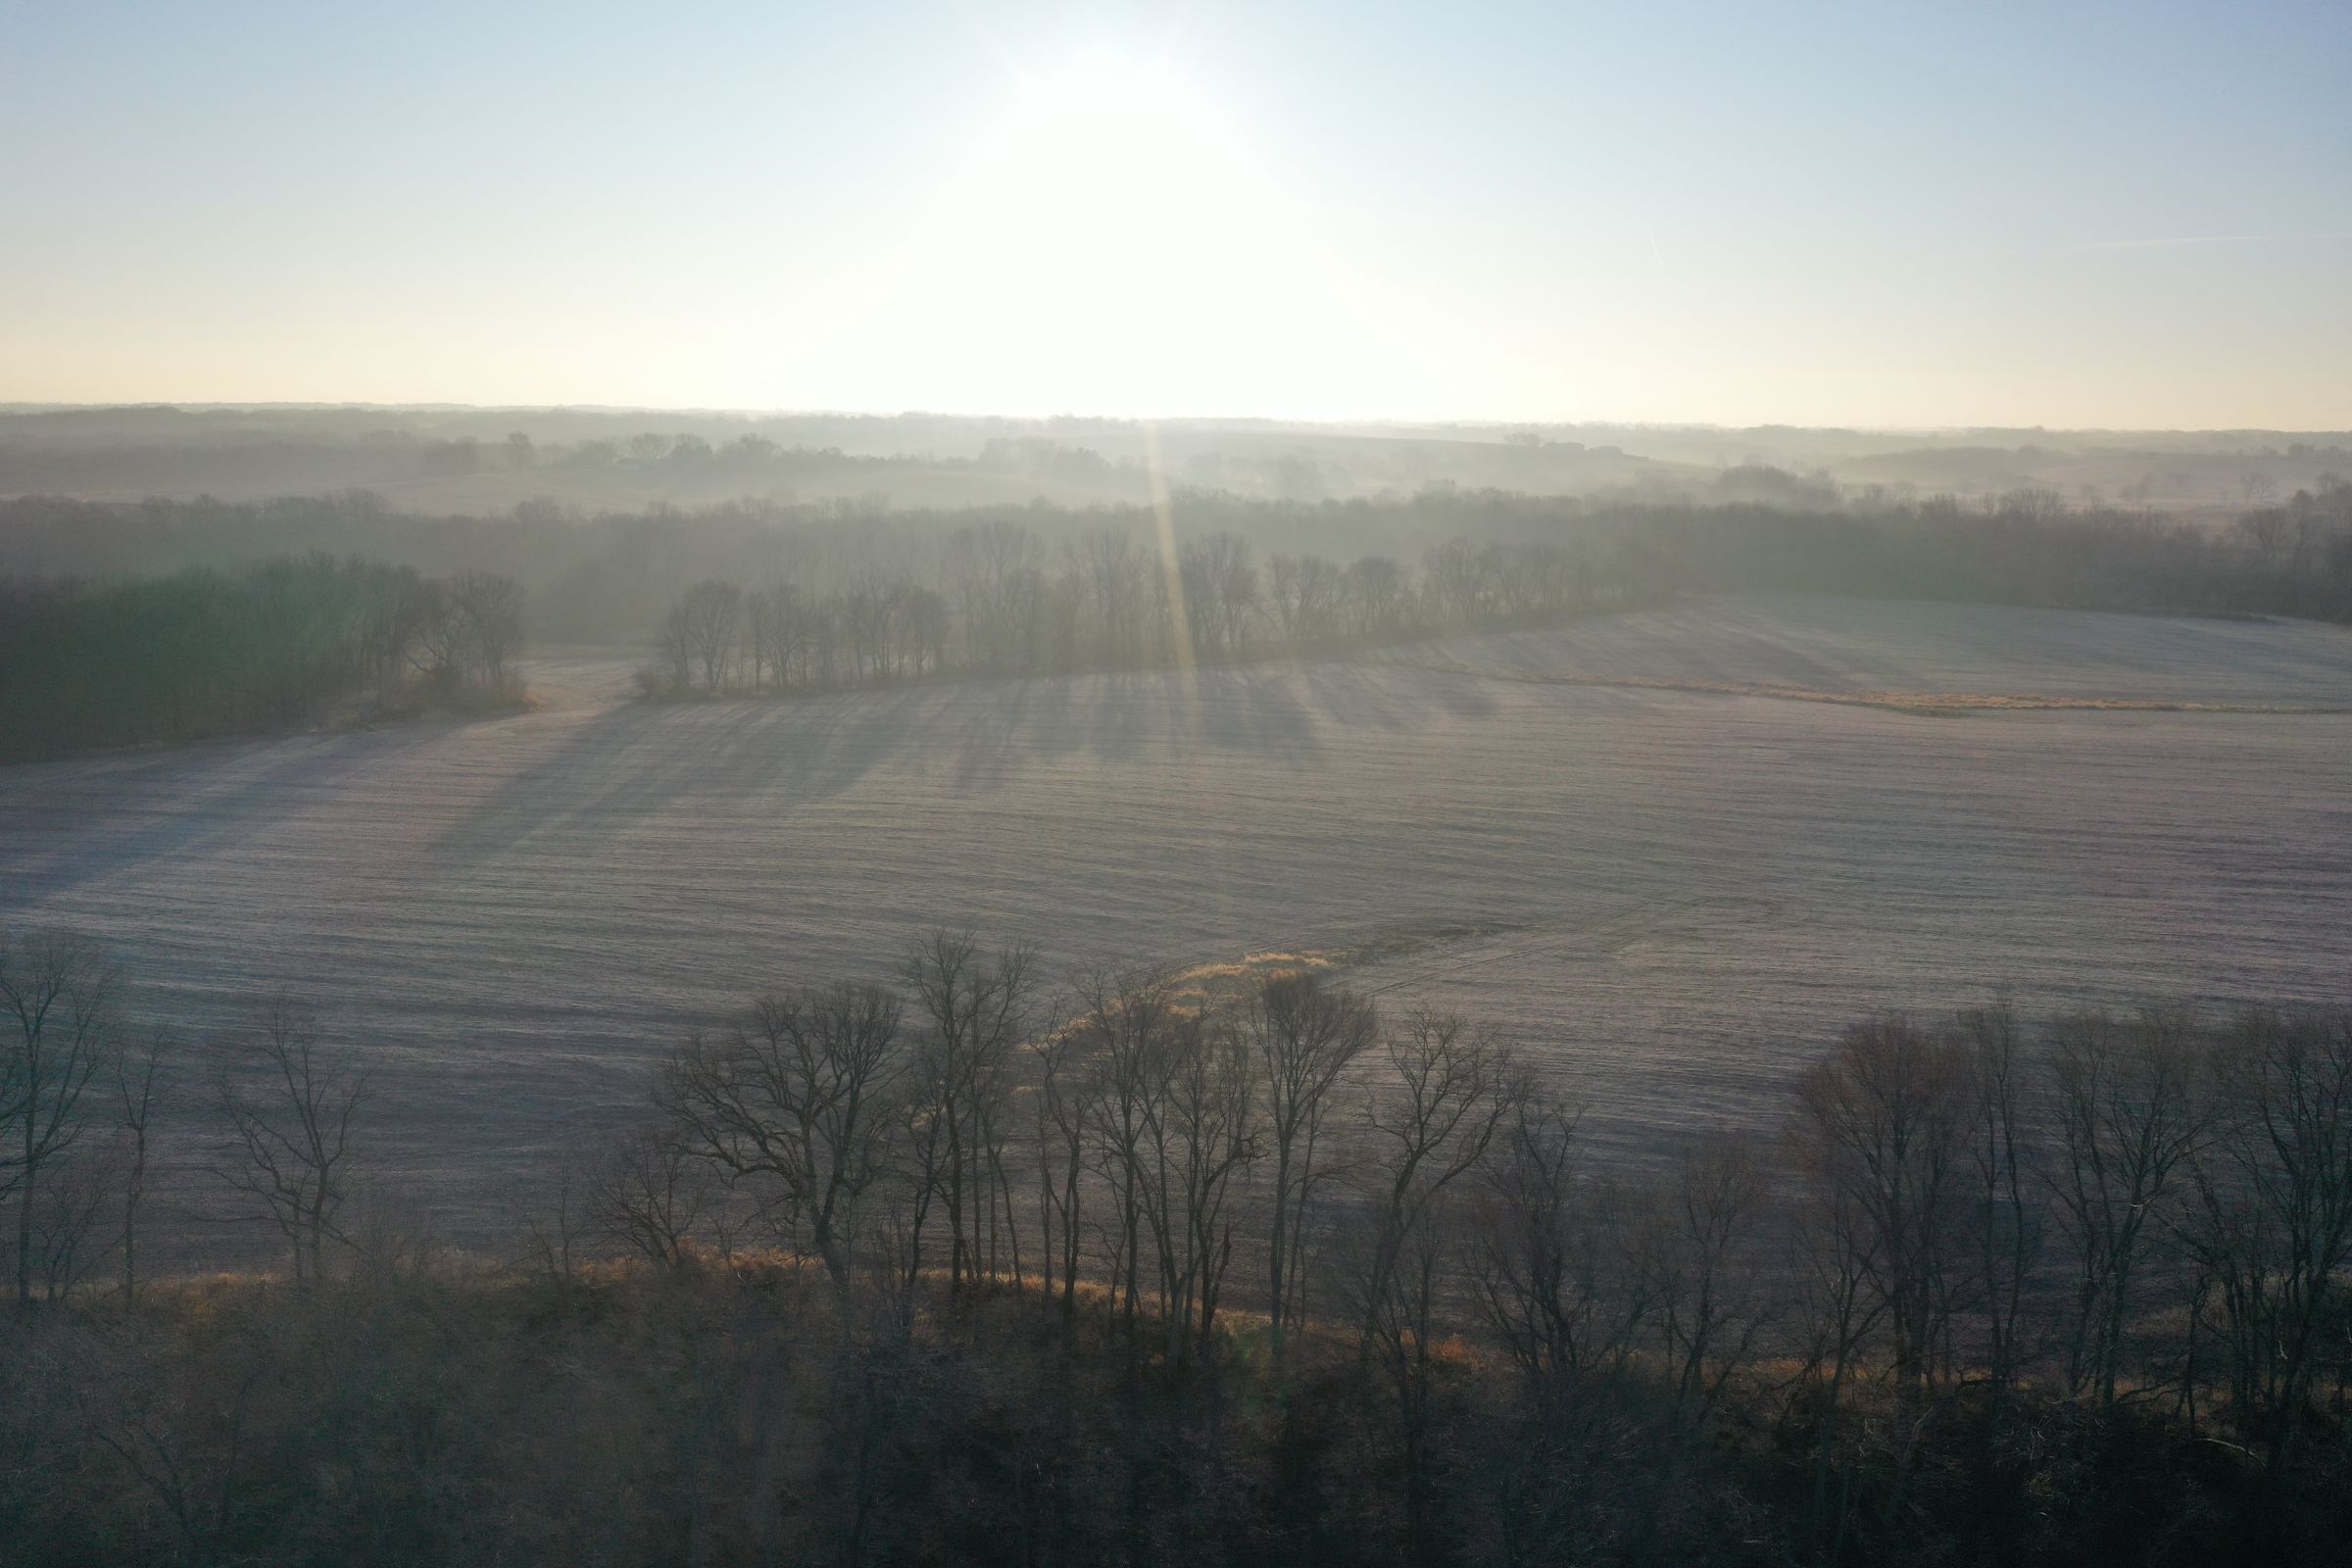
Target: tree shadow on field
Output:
[(1395, 698), (1251, 709), (1269, 713), (973, 736), (1122, 718), (984, 739), (638, 757), (66, 825)]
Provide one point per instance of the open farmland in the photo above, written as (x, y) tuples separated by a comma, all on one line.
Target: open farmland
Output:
[(1641, 844)]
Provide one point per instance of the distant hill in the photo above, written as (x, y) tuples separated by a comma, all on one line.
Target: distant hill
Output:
[(458, 460)]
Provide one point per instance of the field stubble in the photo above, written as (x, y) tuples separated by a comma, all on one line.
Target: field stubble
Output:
[(1671, 891)]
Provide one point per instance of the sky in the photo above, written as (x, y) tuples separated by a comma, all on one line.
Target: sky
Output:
[(1868, 214)]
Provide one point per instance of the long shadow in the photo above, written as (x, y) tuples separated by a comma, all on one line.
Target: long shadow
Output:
[(63, 825), (637, 759), (1000, 726), (980, 735), (1361, 697), (1251, 710), (1121, 719), (976, 735)]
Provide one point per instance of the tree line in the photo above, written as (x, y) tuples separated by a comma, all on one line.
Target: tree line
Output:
[(281, 644), (995, 600), (615, 576), (982, 1264), (2031, 546)]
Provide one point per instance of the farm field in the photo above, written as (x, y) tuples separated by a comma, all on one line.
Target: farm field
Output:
[(1641, 844)]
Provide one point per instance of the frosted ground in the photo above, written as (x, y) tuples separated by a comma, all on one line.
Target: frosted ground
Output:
[(1672, 893)]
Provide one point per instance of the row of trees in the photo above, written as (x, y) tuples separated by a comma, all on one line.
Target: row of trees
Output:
[(999, 602), (2139, 1206), (615, 576), (747, 456), (1347, 1260), (2030, 546), (286, 642)]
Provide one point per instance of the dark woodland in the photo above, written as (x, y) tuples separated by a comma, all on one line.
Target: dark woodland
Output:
[(990, 1263)]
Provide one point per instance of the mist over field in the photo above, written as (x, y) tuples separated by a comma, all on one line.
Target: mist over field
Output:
[(1749, 938), (476, 461), (1089, 785), (1662, 849)]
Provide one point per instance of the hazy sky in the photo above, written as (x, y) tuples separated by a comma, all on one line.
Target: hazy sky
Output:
[(1884, 214)]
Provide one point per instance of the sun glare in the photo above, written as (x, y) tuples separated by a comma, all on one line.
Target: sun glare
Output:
[(1116, 249)]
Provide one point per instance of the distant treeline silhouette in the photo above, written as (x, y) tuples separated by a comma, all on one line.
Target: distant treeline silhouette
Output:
[(992, 600), (751, 459), (281, 644), (615, 576), (1230, 1265), (2031, 546)]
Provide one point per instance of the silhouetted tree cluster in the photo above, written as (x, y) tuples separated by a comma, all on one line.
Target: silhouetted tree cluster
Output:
[(993, 599), (274, 645), (976, 1265), (2028, 547), (87, 1100), (866, 585)]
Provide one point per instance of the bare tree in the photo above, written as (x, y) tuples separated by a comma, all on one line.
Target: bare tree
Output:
[(139, 1081), (673, 670), (181, 1433), (1556, 1286), (1221, 591), (2004, 1185), (1882, 1130), (1838, 1243), (909, 1188), (290, 1111), (2266, 529), (704, 629), (1306, 593), (978, 1007), (1450, 1085), (2273, 1223), (490, 609), (1065, 1101), (1452, 1093), (1460, 581), (2128, 1110), (1702, 1281), (1400, 1334), (1378, 595), (76, 1190), (1307, 1035), (800, 1094), (1123, 1025), (436, 642), (1116, 581), (553, 1222), (650, 1194), (54, 991), (1199, 1127), (779, 628)]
